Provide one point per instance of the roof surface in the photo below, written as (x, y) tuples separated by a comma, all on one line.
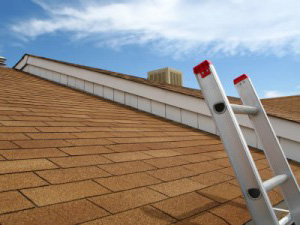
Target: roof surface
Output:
[(288, 106), (281, 109), (70, 158)]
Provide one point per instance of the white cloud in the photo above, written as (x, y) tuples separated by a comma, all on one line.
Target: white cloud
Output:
[(275, 93), (209, 26)]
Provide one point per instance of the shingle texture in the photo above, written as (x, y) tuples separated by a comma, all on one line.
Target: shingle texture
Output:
[(284, 107), (58, 165)]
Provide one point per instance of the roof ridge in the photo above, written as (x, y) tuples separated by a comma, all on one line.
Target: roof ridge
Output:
[(177, 89)]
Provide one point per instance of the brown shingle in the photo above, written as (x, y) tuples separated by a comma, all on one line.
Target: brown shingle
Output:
[(145, 139), (65, 124), (126, 167), (161, 145), (23, 123), (221, 192), (200, 148), (58, 176), (32, 153), (12, 136), (20, 180), (10, 113), (172, 173), (95, 128), (185, 205), (17, 109), (63, 192), (177, 187), (25, 165), (119, 183), (50, 135), (121, 201), (128, 147), (197, 143), (66, 213), (162, 153), (275, 196), (216, 155), (195, 158), (234, 212), (86, 150), (42, 143), (58, 129), (285, 107), (93, 134), (266, 174), (7, 145), (73, 161), (211, 178), (31, 118), (17, 129), (202, 167), (228, 171), (4, 118), (98, 141), (203, 219), (127, 156), (145, 215), (222, 162), (166, 162), (13, 201), (127, 134)]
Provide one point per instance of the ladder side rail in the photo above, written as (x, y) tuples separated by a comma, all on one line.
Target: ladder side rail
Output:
[(241, 160), (287, 220), (271, 145)]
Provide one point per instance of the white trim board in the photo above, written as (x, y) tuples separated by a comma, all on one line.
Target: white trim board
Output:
[(185, 109)]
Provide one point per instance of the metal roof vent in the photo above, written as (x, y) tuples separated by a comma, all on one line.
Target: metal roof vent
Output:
[(166, 76), (2, 61)]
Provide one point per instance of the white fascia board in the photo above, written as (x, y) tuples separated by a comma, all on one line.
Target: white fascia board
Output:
[(158, 94), (282, 127), (22, 63), (285, 128)]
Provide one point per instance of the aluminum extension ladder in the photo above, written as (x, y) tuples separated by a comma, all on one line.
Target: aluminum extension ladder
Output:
[(253, 188)]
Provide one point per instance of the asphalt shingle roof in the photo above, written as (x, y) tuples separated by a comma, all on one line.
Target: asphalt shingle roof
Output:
[(284, 107), (67, 157)]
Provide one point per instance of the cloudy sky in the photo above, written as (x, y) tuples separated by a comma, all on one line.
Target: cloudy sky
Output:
[(260, 38)]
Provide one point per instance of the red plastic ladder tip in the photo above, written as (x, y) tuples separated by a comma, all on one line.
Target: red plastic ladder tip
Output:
[(203, 68), (240, 78)]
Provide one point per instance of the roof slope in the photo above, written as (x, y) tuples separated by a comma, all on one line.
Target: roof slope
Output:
[(280, 111), (70, 158), (288, 106)]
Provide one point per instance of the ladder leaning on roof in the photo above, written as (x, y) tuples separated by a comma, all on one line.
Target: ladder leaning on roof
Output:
[(253, 188)]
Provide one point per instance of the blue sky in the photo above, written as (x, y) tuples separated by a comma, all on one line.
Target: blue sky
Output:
[(259, 38)]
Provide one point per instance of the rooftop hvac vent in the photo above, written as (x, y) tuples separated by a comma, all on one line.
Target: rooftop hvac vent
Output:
[(166, 76), (2, 61)]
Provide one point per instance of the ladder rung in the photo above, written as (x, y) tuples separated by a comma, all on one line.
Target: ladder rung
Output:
[(275, 181), (287, 220), (281, 210), (244, 109)]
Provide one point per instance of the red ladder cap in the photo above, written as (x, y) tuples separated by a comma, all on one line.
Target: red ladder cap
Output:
[(203, 68), (240, 78)]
